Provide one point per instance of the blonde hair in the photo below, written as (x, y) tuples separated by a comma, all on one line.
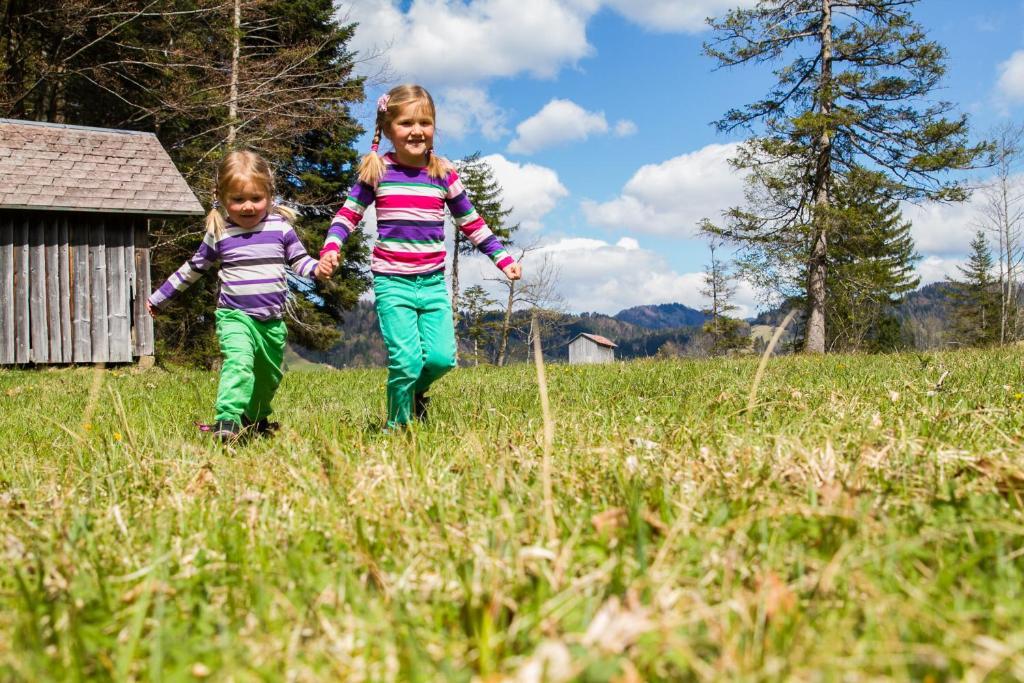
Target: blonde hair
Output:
[(371, 168), (236, 169)]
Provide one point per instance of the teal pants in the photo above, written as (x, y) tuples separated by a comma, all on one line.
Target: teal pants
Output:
[(253, 351), (415, 316)]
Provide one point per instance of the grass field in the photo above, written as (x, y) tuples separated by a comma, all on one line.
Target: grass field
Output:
[(863, 522)]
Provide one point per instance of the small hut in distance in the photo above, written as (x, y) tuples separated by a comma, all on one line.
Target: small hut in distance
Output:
[(75, 205), (591, 348)]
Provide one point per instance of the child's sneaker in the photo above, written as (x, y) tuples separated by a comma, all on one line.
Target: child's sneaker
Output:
[(419, 406), (226, 431), (261, 427)]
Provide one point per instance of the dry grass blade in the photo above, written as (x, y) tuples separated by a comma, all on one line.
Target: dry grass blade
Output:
[(764, 358), (549, 433)]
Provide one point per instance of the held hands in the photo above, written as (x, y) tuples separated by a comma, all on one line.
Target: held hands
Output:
[(513, 271), (152, 310), (325, 267)]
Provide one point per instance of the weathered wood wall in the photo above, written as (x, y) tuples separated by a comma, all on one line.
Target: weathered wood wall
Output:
[(73, 288), (583, 350)]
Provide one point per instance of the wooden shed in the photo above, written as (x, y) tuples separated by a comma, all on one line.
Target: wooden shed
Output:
[(591, 348), (75, 205)]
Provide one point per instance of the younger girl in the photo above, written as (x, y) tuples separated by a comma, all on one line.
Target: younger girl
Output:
[(253, 247), (411, 186)]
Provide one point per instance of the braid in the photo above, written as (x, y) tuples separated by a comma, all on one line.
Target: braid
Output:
[(371, 168)]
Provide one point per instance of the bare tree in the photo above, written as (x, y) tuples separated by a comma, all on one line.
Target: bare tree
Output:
[(538, 290), (1003, 215)]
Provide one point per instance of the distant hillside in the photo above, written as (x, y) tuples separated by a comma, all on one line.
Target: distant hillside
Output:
[(362, 346), (639, 332), (662, 316)]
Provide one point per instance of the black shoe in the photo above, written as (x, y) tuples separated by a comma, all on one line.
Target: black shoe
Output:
[(419, 406), (226, 431), (261, 427)]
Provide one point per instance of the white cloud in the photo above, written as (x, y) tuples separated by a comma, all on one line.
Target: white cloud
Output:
[(1011, 77), (444, 42), (672, 197), (625, 128), (460, 111), (937, 269), (944, 229), (447, 42), (530, 190), (673, 15), (595, 275), (561, 122)]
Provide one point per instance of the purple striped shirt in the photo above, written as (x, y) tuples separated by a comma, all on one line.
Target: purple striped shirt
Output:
[(252, 267), (410, 220)]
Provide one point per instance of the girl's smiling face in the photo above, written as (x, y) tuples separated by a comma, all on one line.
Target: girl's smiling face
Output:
[(246, 204), (412, 133)]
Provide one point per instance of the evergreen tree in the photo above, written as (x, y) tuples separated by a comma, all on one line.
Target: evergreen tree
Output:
[(854, 92), (976, 297), (725, 333), (485, 192), (870, 268), (476, 326)]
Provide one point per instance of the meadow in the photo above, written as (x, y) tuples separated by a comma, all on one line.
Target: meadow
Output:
[(863, 521)]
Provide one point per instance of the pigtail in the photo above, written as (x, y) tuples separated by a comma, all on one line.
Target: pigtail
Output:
[(437, 166), (286, 212), (215, 223), (371, 168)]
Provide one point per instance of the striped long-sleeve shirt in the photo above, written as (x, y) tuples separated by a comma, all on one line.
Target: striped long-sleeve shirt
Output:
[(252, 262), (410, 220)]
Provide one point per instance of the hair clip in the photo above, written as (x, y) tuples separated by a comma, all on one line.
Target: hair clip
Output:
[(216, 203), (382, 102)]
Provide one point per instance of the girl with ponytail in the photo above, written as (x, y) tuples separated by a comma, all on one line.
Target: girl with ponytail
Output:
[(253, 241), (410, 188)]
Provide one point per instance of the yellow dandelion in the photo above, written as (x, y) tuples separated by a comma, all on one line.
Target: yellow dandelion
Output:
[(1018, 396), (87, 426), (117, 436)]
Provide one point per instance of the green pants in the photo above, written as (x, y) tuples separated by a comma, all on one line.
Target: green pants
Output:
[(415, 316), (253, 351)]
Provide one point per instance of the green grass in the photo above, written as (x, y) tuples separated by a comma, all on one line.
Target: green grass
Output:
[(864, 522)]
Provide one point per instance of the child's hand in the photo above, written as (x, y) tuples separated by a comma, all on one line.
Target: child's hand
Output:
[(152, 310), (513, 271), (325, 267)]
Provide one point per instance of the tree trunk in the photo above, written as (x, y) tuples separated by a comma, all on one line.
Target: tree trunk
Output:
[(815, 340), (455, 280), (235, 53), (1007, 288), (506, 324)]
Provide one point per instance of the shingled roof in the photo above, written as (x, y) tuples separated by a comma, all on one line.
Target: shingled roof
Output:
[(597, 339), (52, 167)]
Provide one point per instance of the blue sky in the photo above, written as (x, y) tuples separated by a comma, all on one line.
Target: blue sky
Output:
[(597, 118)]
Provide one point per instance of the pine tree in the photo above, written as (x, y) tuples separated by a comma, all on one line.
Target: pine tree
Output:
[(476, 326), (870, 268), (854, 93), (485, 192), (726, 333), (976, 298)]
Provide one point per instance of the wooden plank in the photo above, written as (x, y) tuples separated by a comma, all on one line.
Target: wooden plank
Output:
[(120, 350), (22, 338), (56, 353), (129, 276), (144, 345), (64, 266), (81, 309), (6, 289), (98, 291), (40, 352)]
